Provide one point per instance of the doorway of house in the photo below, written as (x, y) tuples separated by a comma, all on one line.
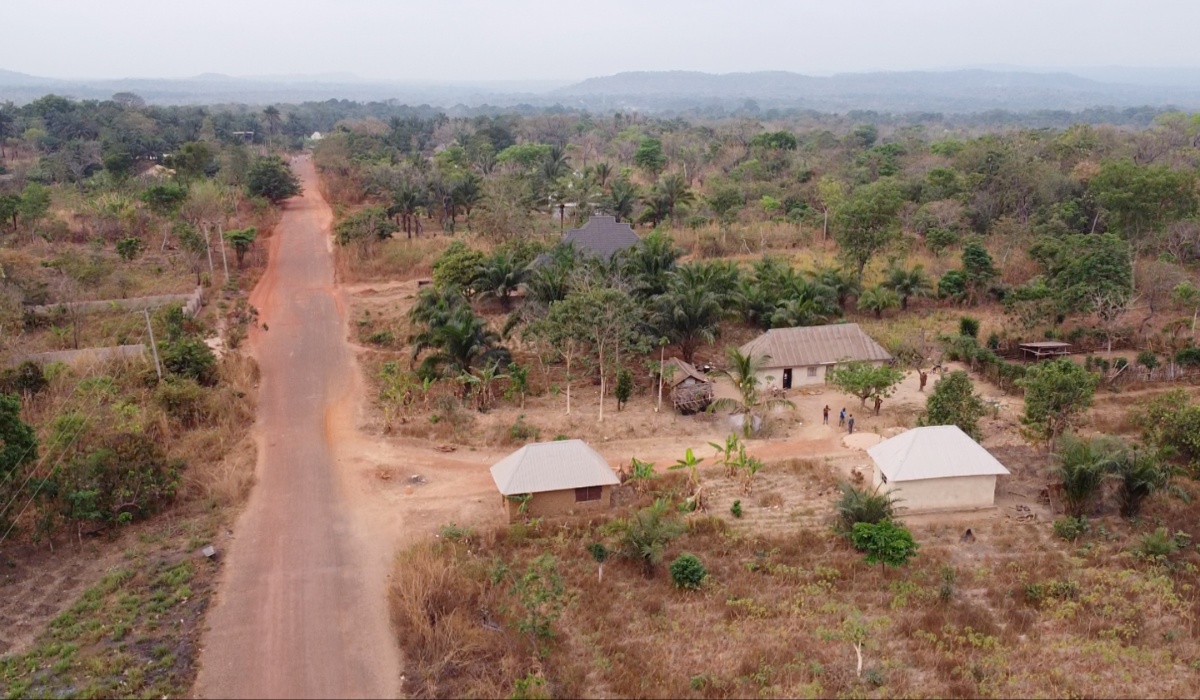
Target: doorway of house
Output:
[(787, 378)]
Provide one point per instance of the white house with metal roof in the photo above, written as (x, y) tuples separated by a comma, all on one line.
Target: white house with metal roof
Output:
[(549, 478), (802, 356), (938, 467)]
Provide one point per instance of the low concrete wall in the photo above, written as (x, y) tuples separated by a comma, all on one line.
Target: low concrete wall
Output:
[(76, 357), (191, 304)]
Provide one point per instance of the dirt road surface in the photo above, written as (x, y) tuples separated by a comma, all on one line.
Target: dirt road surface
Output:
[(302, 608)]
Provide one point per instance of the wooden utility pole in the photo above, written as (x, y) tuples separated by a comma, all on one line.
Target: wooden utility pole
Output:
[(153, 345), (224, 260)]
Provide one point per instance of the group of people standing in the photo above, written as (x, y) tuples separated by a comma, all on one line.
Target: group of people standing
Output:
[(844, 420)]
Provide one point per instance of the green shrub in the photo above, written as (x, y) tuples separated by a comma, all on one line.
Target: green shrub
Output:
[(968, 326), (127, 478), (27, 379), (861, 506), (1160, 544), (520, 431), (1147, 359), (884, 542), (736, 509), (183, 400), (383, 337), (1071, 529), (1188, 357), (688, 572), (190, 358)]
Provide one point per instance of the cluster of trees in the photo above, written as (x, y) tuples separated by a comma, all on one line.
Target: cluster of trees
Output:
[(1085, 203), (110, 464)]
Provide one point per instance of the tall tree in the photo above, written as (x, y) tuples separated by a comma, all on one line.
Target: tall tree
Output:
[(953, 402), (1056, 393), (908, 283), (867, 222)]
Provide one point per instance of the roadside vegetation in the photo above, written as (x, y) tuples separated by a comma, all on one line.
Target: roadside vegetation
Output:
[(130, 237)]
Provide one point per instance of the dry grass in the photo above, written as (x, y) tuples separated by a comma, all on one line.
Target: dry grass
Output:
[(1017, 613), (396, 259)]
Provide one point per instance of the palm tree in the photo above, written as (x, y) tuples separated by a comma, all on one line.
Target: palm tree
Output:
[(274, 121), (878, 299), (743, 372), (557, 163), (1141, 473), (650, 262), (841, 281), (1083, 465), (674, 190), (601, 172), (688, 316), (657, 209), (466, 193), (621, 200), (406, 200), (861, 506), (461, 342), (501, 276), (908, 283), (754, 303), (717, 276)]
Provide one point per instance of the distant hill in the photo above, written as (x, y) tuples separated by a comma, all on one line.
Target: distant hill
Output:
[(962, 90), (950, 92)]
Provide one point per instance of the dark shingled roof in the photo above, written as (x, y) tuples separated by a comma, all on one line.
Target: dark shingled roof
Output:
[(602, 236)]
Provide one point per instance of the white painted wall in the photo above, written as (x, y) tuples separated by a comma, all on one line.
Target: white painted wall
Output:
[(952, 493), (773, 378)]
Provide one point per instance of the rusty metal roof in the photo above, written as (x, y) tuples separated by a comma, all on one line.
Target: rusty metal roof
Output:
[(815, 345), (685, 370)]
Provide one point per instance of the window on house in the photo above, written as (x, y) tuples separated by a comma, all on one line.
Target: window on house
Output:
[(812, 371), (588, 493), (883, 478)]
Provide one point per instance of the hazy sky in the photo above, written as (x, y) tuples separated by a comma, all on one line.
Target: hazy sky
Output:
[(569, 39)]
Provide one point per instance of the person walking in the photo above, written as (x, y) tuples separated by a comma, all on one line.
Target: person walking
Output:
[(842, 418), (825, 415), (850, 424)]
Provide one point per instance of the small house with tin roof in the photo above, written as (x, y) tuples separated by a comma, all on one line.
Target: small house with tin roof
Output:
[(554, 478), (802, 356)]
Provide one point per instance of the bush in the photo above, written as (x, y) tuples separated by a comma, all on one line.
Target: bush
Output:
[(861, 506), (968, 326), (688, 572), (1157, 545), (1147, 359), (128, 478), (190, 358), (27, 379), (884, 542), (183, 400), (1071, 529), (1188, 357), (736, 509), (646, 534), (520, 431)]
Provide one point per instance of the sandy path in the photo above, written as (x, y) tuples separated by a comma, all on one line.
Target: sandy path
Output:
[(302, 605)]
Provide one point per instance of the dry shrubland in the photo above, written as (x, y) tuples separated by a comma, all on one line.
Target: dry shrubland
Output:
[(1016, 613)]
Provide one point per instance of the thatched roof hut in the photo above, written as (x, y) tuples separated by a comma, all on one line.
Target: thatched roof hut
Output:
[(691, 391)]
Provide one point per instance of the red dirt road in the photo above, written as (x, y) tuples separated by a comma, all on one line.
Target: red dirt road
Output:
[(301, 610)]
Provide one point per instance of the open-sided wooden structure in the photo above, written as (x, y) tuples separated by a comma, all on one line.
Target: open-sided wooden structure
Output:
[(691, 391), (1043, 349)]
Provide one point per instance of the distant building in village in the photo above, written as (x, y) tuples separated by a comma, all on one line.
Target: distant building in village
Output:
[(934, 468), (802, 356)]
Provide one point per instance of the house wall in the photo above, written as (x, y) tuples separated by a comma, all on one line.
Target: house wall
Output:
[(557, 503), (950, 493), (773, 378)]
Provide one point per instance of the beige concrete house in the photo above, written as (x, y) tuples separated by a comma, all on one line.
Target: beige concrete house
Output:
[(936, 468), (554, 478), (802, 356)]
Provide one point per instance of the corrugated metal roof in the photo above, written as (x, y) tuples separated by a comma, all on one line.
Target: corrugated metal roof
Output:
[(552, 466), (815, 345), (685, 370), (933, 452), (602, 236)]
